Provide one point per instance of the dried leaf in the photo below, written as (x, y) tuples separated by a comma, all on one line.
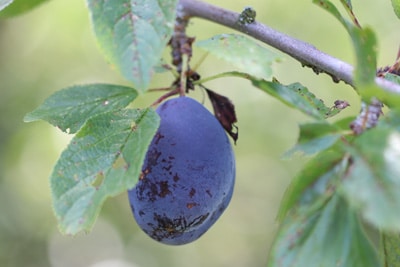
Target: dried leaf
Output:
[(224, 110)]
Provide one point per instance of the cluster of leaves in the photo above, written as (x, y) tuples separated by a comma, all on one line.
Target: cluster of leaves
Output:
[(352, 180)]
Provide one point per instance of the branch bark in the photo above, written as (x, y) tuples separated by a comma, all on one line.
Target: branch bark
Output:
[(305, 53)]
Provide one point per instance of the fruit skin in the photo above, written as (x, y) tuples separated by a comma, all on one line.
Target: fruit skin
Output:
[(188, 175)]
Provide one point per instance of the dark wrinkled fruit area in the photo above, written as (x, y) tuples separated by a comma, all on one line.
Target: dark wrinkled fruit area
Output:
[(188, 175)]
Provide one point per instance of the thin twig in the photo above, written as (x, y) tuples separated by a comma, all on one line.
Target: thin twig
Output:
[(305, 53)]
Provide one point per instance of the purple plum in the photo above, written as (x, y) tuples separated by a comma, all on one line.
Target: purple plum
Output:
[(188, 175)]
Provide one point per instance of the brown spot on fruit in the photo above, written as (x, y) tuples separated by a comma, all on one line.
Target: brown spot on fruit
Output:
[(164, 189), (192, 192), (191, 205)]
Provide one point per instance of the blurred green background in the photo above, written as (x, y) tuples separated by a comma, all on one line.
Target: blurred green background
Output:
[(52, 47)]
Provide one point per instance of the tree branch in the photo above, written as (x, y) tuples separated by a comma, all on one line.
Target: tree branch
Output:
[(305, 53)]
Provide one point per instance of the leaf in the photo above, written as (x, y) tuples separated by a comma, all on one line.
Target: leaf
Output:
[(133, 34), (244, 53), (329, 236), (349, 8), (347, 4), (16, 7), (294, 95), (224, 111), (103, 159), (391, 120), (365, 46), (372, 183), (326, 166), (344, 123), (393, 78), (69, 108), (391, 249), (396, 7), (328, 6), (314, 137), (319, 228), (391, 99)]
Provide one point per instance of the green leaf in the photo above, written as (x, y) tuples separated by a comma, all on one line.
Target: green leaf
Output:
[(331, 8), (344, 123), (103, 159), (391, 99), (325, 167), (349, 8), (393, 78), (294, 95), (365, 46), (69, 108), (347, 4), (329, 236), (17, 7), (242, 52), (391, 249), (396, 7), (391, 120), (313, 138), (319, 228), (133, 34), (372, 183)]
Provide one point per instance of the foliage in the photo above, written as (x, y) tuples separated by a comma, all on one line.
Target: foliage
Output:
[(396, 7), (17, 7), (352, 180), (133, 35)]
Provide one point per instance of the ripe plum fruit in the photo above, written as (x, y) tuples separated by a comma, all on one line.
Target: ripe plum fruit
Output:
[(187, 177)]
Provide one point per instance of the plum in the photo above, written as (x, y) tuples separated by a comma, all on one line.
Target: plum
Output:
[(188, 175)]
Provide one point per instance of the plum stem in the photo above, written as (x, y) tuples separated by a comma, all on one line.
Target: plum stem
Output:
[(165, 96), (183, 78)]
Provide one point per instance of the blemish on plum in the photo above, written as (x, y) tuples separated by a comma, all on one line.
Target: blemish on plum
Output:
[(158, 137), (192, 192), (176, 177), (153, 157), (144, 173), (167, 168), (191, 205), (164, 189), (199, 220)]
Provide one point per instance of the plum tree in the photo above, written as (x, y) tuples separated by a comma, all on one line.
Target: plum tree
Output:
[(188, 176)]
